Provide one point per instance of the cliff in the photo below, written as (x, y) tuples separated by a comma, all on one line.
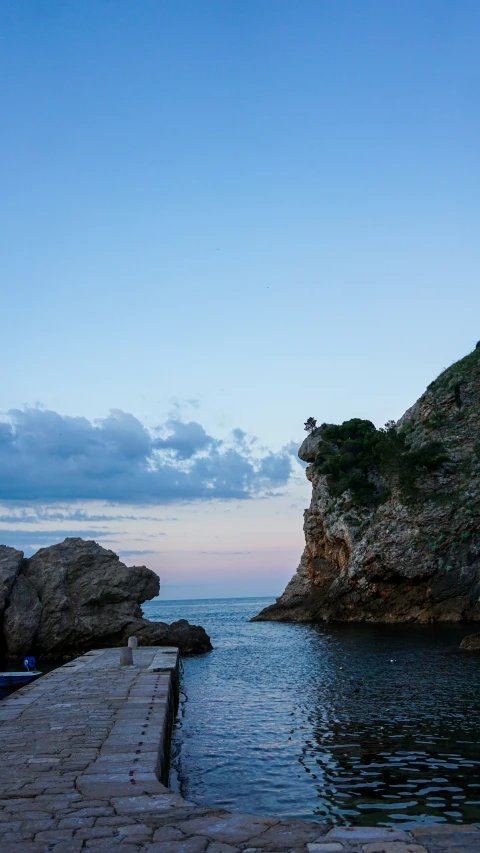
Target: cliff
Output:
[(393, 529), (75, 596)]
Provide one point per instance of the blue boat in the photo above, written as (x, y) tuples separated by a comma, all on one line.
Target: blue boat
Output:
[(17, 679)]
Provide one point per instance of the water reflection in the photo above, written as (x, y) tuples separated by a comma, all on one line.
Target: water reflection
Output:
[(354, 724)]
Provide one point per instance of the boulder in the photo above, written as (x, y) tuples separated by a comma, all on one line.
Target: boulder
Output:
[(10, 562), (22, 619), (308, 448), (77, 595), (471, 643)]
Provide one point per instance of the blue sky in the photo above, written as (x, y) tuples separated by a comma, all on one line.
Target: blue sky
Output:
[(218, 219)]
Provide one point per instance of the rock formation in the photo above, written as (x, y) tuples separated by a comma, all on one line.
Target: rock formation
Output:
[(77, 595), (471, 643), (402, 542)]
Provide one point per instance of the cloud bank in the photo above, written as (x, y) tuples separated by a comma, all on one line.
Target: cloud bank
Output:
[(45, 456), (32, 539)]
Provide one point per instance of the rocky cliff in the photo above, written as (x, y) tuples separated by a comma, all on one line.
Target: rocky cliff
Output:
[(77, 595), (393, 529)]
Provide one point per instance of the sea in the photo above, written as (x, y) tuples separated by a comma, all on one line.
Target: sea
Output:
[(349, 724)]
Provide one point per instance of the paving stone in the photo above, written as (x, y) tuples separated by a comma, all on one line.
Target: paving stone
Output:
[(10, 826), (444, 829), (137, 805), (393, 847), (219, 847), (355, 835), (93, 811), (114, 820), (75, 822), (95, 832), (232, 829), (156, 819), (168, 833), (188, 845), (38, 824), (60, 801), (288, 834), (465, 842), (17, 835), (23, 847), (135, 832), (55, 835), (108, 785), (325, 847), (455, 846), (110, 845), (67, 847)]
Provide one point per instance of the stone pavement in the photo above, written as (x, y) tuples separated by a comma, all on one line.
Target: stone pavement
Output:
[(82, 752)]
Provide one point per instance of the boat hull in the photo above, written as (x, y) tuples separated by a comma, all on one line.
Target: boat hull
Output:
[(17, 679)]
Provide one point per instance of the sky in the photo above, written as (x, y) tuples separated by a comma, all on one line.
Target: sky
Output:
[(217, 220)]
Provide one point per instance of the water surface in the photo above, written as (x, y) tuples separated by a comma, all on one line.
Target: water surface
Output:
[(354, 724)]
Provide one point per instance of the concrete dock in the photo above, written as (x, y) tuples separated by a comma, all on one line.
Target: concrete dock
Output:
[(84, 750)]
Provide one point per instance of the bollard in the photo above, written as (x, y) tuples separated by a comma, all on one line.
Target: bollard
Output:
[(126, 656), (132, 643)]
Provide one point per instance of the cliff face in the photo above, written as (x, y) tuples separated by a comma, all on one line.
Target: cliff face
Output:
[(403, 555)]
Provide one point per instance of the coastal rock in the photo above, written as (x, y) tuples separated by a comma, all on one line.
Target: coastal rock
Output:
[(77, 595), (309, 447), (398, 558), (22, 618), (188, 638), (471, 643), (10, 562)]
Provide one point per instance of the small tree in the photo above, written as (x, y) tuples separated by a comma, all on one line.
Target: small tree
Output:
[(310, 425)]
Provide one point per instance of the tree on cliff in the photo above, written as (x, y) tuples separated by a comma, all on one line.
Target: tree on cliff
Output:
[(310, 424)]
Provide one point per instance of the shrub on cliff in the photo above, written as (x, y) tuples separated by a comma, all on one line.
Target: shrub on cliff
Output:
[(357, 457)]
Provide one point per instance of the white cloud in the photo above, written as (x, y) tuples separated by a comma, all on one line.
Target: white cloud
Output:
[(47, 457)]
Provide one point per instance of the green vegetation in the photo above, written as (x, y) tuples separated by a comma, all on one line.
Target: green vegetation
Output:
[(437, 420), (356, 456), (310, 424), (453, 377)]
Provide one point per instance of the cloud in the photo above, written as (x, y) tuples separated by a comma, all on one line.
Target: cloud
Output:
[(52, 458), (224, 553), (185, 439), (275, 469), (35, 515), (243, 440), (27, 539), (180, 406), (133, 553), (292, 448)]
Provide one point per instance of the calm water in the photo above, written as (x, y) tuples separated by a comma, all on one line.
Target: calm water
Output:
[(353, 724)]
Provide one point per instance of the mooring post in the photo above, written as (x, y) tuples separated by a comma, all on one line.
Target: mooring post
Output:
[(126, 656), (132, 643)]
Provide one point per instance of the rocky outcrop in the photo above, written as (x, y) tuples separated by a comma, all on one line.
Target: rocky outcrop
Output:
[(471, 643), (399, 557), (10, 563), (77, 595)]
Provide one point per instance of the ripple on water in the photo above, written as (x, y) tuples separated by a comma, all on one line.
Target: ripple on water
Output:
[(361, 724)]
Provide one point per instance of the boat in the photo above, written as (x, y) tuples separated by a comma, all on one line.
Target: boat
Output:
[(17, 679)]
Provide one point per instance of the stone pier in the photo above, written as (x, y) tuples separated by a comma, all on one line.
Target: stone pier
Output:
[(84, 758)]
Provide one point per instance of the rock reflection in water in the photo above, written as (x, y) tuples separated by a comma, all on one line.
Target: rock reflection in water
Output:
[(360, 724)]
